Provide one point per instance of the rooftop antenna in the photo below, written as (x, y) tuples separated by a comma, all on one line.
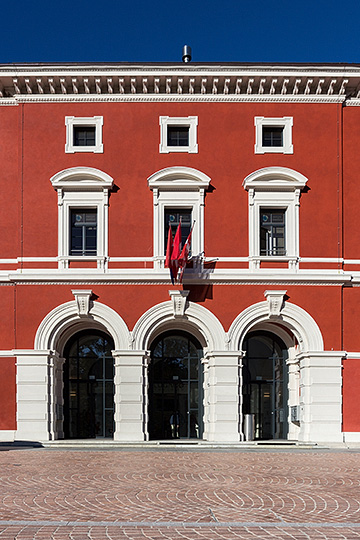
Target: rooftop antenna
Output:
[(186, 57)]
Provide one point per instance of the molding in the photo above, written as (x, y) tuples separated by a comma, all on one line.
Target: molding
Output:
[(190, 122), (296, 319), (197, 320), (275, 300), (275, 178), (82, 298), (286, 122), (96, 122), (179, 178), (64, 320), (268, 276), (85, 98), (82, 178), (179, 301)]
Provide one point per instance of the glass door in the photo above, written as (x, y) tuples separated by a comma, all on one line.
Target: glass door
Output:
[(265, 385), (89, 386), (175, 388)]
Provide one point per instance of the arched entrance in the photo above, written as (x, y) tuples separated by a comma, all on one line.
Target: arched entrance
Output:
[(175, 387), (265, 384), (89, 386)]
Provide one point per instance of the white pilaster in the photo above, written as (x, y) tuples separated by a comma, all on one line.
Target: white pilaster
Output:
[(39, 395), (130, 395), (320, 396), (222, 396)]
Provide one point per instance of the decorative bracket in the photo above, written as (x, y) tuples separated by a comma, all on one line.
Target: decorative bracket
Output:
[(275, 301), (179, 302), (82, 297)]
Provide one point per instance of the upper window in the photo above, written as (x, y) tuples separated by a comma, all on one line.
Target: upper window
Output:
[(83, 134), (178, 134), (273, 135), (83, 195), (173, 216), (272, 232), (274, 200), (178, 193), (83, 228)]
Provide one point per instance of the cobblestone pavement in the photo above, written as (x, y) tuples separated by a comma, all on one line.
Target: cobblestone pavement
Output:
[(203, 495)]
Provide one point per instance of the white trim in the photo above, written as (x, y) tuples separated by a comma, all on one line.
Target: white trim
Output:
[(295, 318), (96, 122), (7, 435), (190, 121), (197, 320), (286, 122), (64, 320), (183, 188), (170, 98), (82, 188), (274, 188), (351, 436)]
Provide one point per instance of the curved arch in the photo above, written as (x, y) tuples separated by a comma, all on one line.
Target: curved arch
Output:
[(293, 317), (275, 178), (179, 178), (63, 321), (198, 321), (82, 177)]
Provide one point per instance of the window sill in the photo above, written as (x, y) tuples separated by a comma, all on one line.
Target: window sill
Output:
[(256, 262), (86, 261)]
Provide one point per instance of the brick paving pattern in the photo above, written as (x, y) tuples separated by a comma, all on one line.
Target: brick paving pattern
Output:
[(116, 495)]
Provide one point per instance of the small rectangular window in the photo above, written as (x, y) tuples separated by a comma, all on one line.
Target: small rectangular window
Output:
[(178, 136), (83, 232), (172, 217), (272, 232), (84, 135), (272, 136)]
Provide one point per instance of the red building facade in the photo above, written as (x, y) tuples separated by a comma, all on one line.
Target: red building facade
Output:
[(96, 162)]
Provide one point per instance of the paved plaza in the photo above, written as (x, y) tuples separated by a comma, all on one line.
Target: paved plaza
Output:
[(182, 494)]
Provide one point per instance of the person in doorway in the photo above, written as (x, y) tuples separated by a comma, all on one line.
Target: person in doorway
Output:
[(175, 425)]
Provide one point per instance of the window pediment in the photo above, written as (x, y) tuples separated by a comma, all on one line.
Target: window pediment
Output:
[(275, 179), (178, 179), (82, 178)]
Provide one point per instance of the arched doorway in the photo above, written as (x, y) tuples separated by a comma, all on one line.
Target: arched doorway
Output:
[(265, 384), (89, 386), (175, 387)]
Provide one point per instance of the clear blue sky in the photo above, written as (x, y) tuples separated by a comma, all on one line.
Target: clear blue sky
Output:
[(155, 31)]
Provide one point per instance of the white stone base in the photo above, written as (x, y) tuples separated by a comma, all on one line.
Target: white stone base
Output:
[(7, 435), (352, 436)]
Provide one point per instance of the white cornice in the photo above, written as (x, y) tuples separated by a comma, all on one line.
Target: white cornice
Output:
[(150, 276), (317, 84)]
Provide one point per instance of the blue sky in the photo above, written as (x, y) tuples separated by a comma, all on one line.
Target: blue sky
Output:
[(156, 30)]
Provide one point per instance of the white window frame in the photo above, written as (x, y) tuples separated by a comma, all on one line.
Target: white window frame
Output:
[(82, 188), (94, 121), (286, 122), (275, 188), (178, 188), (190, 121)]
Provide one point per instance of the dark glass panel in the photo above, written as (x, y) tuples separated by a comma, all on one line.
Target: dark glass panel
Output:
[(272, 136), (84, 135), (86, 396), (174, 386), (178, 136)]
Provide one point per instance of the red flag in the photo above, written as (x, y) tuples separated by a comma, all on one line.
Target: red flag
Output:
[(184, 255), (169, 249), (176, 253)]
